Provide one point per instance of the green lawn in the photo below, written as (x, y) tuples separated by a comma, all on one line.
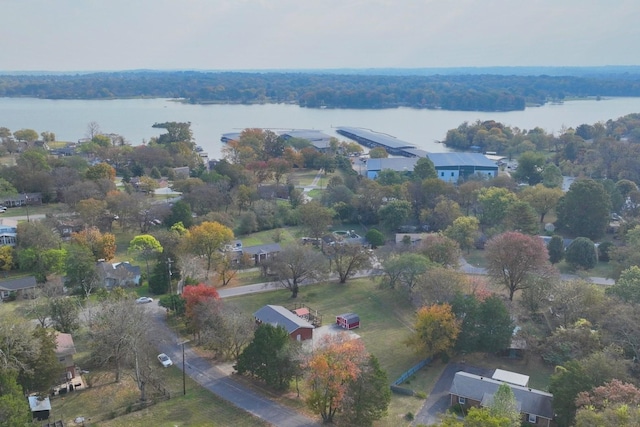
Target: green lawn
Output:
[(386, 319), (304, 177)]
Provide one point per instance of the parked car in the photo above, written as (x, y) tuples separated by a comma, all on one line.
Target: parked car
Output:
[(144, 300), (165, 360), (3, 209)]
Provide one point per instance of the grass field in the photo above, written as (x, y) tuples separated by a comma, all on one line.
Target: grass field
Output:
[(110, 404), (386, 319)]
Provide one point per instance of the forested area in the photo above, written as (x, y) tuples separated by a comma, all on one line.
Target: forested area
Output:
[(466, 92)]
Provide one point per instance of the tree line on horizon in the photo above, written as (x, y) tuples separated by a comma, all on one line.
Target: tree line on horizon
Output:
[(465, 92)]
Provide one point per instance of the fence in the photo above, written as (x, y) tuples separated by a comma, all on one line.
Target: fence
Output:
[(395, 386)]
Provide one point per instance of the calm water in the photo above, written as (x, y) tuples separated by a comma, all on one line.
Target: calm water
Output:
[(68, 119)]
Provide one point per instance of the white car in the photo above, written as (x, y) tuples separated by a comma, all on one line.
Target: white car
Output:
[(144, 300), (165, 360)]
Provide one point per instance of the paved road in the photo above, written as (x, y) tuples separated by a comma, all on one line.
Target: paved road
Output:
[(219, 382)]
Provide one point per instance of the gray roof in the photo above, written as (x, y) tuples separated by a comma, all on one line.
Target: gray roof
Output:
[(416, 152), (379, 138), (262, 249), (279, 316), (317, 138), (475, 387), (461, 159), (397, 164), (18, 284)]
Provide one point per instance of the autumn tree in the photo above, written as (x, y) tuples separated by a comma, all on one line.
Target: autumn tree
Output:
[(101, 245), (101, 171), (439, 286), (348, 259), (147, 246), (297, 263), (6, 258), (194, 295), (207, 239), (332, 366), (436, 331), (513, 256), (270, 357)]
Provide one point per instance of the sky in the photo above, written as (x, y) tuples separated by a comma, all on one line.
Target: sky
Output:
[(88, 35)]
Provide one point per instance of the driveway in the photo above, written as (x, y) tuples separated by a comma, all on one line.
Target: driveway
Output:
[(220, 383), (439, 401)]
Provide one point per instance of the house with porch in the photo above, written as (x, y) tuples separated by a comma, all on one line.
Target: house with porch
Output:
[(261, 253), (469, 390), (8, 231), (119, 274)]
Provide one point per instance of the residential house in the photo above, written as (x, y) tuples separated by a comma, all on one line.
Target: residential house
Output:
[(261, 253), (8, 231), (121, 274), (24, 287), (23, 199), (469, 390), (65, 349), (298, 328)]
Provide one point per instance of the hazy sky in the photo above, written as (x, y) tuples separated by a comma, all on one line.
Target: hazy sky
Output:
[(63, 35)]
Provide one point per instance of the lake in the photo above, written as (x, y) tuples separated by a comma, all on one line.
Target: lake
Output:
[(133, 118)]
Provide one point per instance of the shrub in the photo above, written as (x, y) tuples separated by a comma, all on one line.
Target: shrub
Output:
[(409, 416), (582, 253)]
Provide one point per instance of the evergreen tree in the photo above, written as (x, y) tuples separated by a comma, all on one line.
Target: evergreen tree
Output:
[(368, 396), (582, 253), (556, 249), (14, 408)]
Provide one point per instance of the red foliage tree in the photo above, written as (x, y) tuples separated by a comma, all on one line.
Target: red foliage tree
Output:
[(194, 295), (512, 257), (612, 393)]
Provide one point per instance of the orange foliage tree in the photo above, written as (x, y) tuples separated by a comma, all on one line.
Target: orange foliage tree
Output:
[(436, 330), (193, 296), (102, 245), (333, 366), (207, 239)]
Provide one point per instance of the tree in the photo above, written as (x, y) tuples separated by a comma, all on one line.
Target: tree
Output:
[(513, 256), (504, 404), (582, 253), (100, 171), (207, 239), (147, 246), (551, 176), (64, 312), (577, 299), (315, 218), (522, 218), (556, 249), (610, 393), (332, 367), (485, 325), (42, 262), (374, 238), (394, 213), (44, 367), (368, 396), (193, 296), (440, 249), (424, 169), (627, 287), (180, 212), (101, 245), (28, 135), (436, 331), (464, 230), (296, 264), (6, 258), (268, 357), (530, 167), (348, 259), (494, 203), (584, 209), (571, 343), (405, 270), (14, 408), (378, 153), (225, 328), (80, 268), (439, 286)]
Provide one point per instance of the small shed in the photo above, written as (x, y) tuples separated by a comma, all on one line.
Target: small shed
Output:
[(348, 321), (40, 407)]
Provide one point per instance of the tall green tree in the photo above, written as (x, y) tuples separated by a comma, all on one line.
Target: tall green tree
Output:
[(368, 396), (627, 287), (14, 408), (522, 218), (504, 404), (464, 230), (556, 249), (394, 213), (584, 210), (582, 253), (268, 357), (530, 167), (424, 169)]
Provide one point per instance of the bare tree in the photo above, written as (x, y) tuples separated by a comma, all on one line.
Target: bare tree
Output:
[(297, 263), (224, 328), (93, 129), (348, 259)]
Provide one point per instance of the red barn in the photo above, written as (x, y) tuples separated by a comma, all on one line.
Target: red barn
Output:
[(348, 321)]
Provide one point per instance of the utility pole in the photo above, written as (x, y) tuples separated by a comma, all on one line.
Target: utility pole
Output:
[(184, 380)]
